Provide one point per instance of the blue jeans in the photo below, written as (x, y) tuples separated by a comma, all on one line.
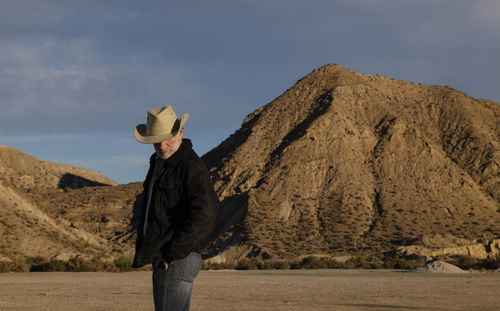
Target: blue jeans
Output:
[(172, 287)]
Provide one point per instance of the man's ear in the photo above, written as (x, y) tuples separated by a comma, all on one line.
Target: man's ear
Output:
[(180, 132)]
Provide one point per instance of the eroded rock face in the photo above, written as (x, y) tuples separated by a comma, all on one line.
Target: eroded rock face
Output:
[(487, 249), (344, 161), (494, 248)]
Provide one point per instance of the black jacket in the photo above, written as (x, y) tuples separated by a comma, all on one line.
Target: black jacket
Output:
[(182, 210)]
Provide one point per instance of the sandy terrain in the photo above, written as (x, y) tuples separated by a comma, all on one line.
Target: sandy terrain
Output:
[(258, 290)]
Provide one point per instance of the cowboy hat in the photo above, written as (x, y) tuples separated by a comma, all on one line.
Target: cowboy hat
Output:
[(162, 124)]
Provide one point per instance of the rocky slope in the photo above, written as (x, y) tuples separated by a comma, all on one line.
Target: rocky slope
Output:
[(33, 222), (344, 161)]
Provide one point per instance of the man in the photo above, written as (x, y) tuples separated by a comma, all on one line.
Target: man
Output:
[(178, 210)]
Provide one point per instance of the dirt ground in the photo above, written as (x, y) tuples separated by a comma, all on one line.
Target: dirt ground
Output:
[(258, 290)]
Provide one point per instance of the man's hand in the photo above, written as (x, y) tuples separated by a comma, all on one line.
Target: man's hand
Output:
[(160, 263)]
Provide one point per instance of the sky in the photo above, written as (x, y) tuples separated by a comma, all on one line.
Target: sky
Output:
[(76, 77)]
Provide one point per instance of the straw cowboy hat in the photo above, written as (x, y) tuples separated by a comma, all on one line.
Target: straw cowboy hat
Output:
[(162, 124)]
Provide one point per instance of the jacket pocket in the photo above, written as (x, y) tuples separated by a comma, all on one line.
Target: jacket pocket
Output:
[(167, 196)]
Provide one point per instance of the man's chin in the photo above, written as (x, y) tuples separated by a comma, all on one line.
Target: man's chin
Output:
[(163, 156)]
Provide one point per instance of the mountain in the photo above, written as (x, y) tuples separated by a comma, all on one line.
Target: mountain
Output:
[(343, 162), (46, 212), (29, 174)]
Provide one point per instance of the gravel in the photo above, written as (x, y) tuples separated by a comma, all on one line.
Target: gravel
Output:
[(440, 267)]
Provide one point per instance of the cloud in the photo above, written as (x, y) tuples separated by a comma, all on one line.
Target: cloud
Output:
[(80, 49), (485, 12), (43, 138), (17, 52), (73, 66), (111, 163), (52, 80), (47, 94), (52, 85)]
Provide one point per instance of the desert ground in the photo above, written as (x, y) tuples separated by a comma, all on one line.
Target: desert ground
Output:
[(258, 290)]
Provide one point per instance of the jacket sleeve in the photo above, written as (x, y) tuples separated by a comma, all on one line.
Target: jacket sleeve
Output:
[(202, 207), (139, 211)]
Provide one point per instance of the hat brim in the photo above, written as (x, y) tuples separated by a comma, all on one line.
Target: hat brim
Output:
[(142, 137)]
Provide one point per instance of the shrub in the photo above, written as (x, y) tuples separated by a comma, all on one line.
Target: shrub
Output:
[(36, 263), (247, 264), (78, 264), (365, 262), (403, 263), (280, 265), (491, 263), (216, 266), (123, 263), (312, 262), (334, 264), (467, 262), (463, 262), (13, 266), (51, 265), (357, 262)]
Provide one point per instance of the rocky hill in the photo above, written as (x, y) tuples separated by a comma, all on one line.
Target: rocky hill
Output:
[(46, 212), (29, 174), (344, 161)]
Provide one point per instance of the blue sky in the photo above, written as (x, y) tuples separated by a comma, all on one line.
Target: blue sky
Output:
[(76, 77)]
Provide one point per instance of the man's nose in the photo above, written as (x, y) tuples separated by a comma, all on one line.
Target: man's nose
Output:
[(165, 144)]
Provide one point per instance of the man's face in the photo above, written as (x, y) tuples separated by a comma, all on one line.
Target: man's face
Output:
[(168, 147)]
